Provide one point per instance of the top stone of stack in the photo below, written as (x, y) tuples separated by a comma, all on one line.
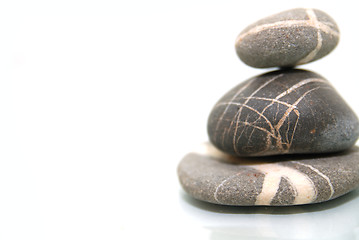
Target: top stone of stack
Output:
[(287, 39)]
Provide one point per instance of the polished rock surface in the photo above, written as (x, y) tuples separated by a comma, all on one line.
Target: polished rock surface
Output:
[(289, 38), (213, 176), (282, 112)]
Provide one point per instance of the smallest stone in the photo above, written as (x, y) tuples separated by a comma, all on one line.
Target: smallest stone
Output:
[(287, 39)]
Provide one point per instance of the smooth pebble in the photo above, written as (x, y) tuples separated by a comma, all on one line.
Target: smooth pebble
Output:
[(282, 112), (289, 38), (213, 176)]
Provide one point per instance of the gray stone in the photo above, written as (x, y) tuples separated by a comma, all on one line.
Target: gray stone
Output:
[(213, 176), (282, 112), (289, 38)]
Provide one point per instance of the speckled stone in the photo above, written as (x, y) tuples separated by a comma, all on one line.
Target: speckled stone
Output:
[(213, 176), (282, 112), (289, 38)]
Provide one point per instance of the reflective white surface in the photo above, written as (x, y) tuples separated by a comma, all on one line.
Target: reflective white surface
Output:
[(336, 219)]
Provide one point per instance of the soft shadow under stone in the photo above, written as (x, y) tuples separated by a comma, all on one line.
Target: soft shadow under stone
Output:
[(213, 176), (274, 210), (335, 219)]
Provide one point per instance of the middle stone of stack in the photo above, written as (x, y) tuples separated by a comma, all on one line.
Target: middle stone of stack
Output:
[(282, 112)]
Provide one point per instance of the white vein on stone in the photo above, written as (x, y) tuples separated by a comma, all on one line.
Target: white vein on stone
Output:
[(287, 23), (226, 109), (320, 174), (294, 107), (215, 195), (273, 131), (303, 186), (289, 110), (298, 85), (271, 100), (252, 109), (313, 19), (244, 104)]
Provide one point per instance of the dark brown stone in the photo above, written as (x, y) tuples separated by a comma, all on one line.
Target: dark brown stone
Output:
[(282, 112)]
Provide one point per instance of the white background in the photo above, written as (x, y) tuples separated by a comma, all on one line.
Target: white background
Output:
[(99, 101)]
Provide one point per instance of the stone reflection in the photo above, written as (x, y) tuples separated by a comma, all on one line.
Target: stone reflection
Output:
[(335, 219)]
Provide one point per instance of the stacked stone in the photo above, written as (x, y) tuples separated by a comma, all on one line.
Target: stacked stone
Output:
[(282, 138)]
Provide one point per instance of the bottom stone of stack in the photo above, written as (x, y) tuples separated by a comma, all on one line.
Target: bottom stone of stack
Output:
[(213, 176)]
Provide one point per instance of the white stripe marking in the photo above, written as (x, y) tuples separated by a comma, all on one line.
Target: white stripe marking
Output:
[(215, 195), (226, 109), (302, 184), (313, 19), (289, 110), (320, 174), (244, 104), (286, 23), (298, 85)]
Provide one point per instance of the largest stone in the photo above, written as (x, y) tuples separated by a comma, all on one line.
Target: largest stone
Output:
[(212, 176), (282, 112)]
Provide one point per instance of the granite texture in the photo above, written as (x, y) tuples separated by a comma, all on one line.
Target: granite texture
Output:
[(289, 38), (213, 176), (282, 112)]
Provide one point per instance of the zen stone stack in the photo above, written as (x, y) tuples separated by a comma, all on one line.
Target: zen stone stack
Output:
[(282, 138)]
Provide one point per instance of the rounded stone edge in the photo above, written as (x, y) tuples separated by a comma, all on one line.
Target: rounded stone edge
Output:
[(312, 56), (223, 158)]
